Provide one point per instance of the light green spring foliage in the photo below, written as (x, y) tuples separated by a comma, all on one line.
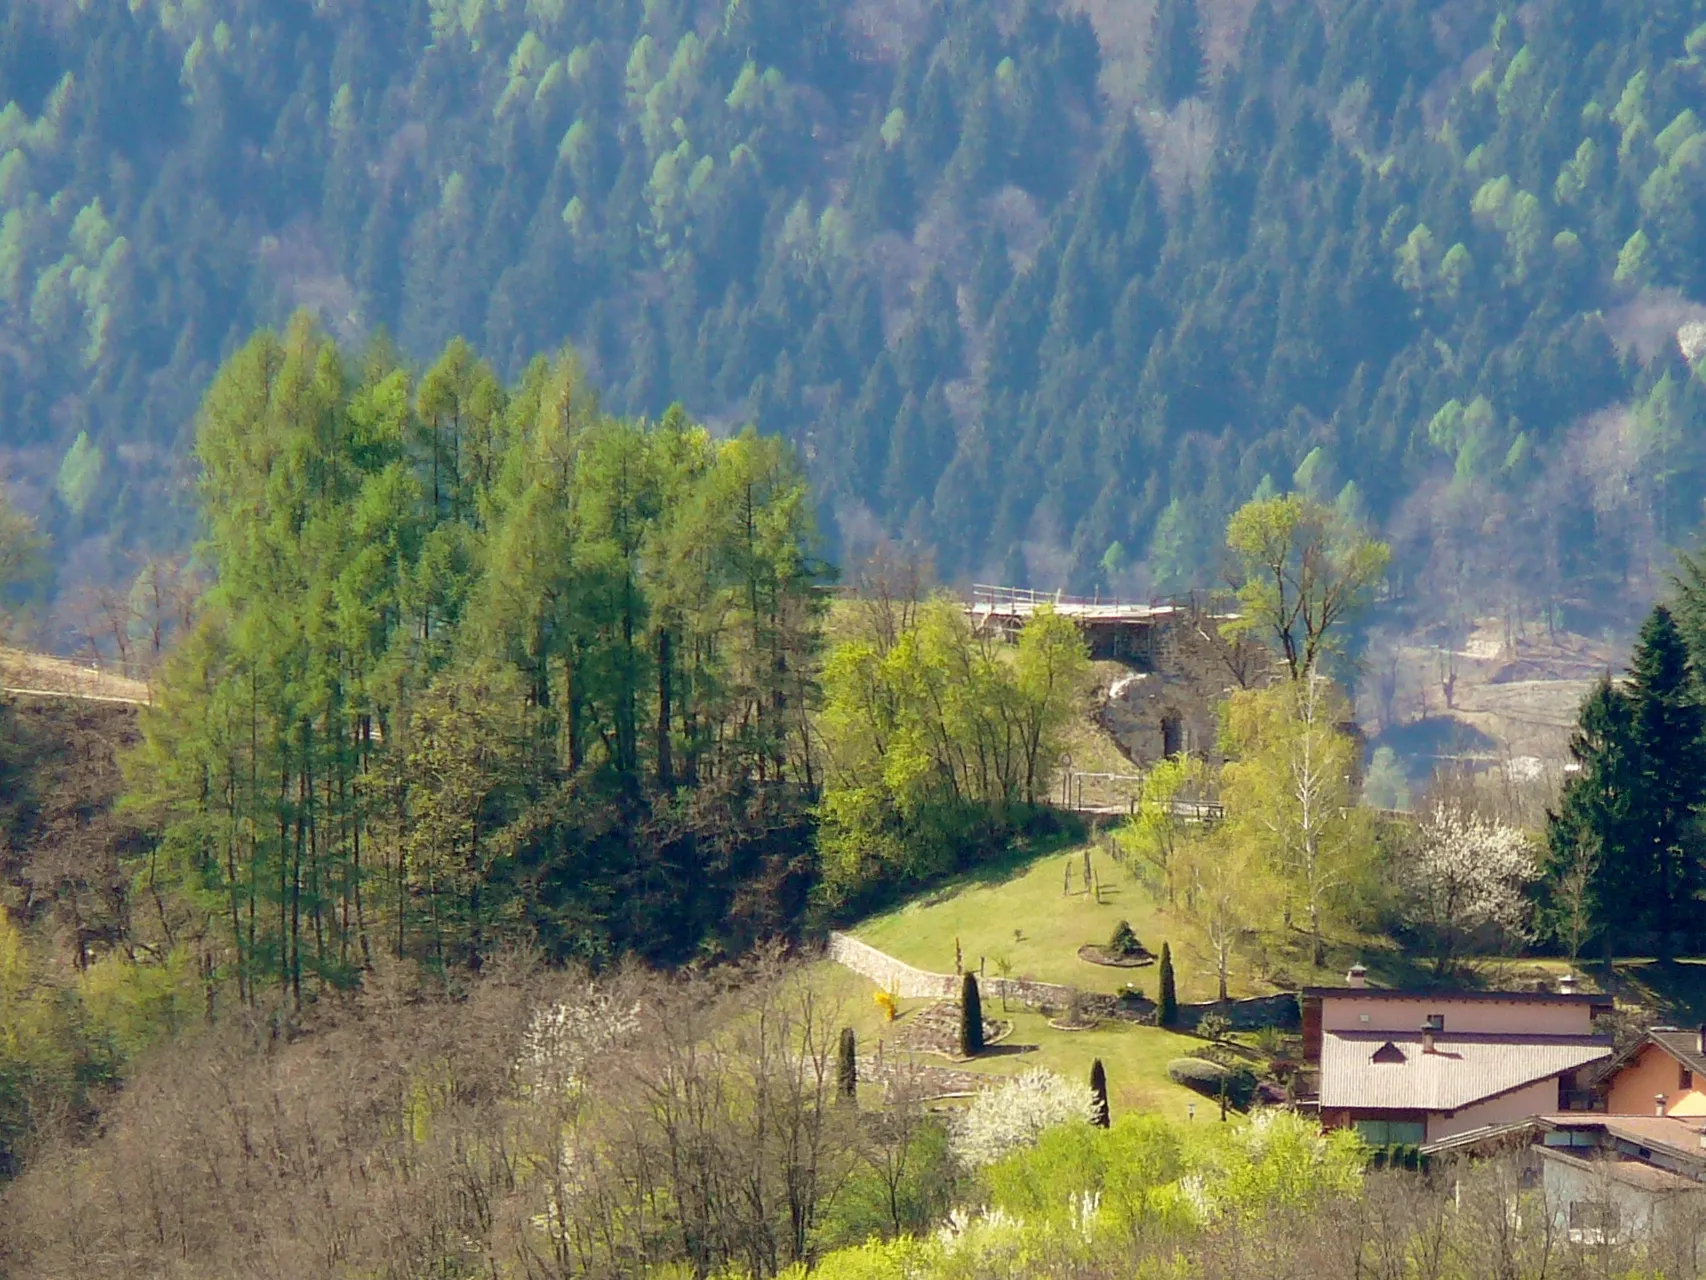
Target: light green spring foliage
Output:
[(1084, 1194), (79, 474), (938, 741), (449, 618), (1157, 833), (1386, 786), (46, 1064), (132, 1006), (1289, 800), (1303, 571), (20, 549)]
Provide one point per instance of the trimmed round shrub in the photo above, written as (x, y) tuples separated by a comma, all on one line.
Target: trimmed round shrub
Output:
[(1207, 1078)]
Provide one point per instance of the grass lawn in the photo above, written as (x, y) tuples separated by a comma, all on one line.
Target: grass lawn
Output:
[(1018, 913), (1134, 1057)]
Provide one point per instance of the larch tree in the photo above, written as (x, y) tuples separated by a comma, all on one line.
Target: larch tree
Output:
[(456, 638)]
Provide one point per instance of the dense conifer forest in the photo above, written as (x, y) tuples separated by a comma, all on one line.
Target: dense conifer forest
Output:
[(1050, 287)]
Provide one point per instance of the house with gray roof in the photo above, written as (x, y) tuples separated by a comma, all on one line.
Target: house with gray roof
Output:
[(1420, 1067)]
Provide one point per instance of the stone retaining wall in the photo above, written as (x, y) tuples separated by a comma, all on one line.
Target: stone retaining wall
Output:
[(908, 983)]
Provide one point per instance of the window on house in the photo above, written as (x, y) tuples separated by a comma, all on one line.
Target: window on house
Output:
[(1684, 1078), (1392, 1133), (1595, 1219), (1436, 1022)]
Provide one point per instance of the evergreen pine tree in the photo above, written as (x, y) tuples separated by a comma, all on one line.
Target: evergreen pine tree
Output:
[(1167, 1000), (1175, 53), (1667, 724), (1631, 808), (1099, 1090), (847, 1065), (971, 1018)]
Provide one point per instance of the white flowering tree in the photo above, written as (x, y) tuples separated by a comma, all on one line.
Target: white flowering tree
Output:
[(562, 1038), (1017, 1114), (1464, 878)]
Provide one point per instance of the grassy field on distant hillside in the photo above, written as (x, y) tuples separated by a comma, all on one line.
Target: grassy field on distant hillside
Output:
[(21, 671)]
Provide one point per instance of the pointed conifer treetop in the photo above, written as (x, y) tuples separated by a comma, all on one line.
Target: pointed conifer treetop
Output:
[(971, 1018), (1623, 837), (1175, 53), (1167, 998), (847, 1065)]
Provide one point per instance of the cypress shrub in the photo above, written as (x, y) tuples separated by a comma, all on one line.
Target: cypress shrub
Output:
[(1099, 1088), (847, 1065), (971, 1018), (1167, 1002)]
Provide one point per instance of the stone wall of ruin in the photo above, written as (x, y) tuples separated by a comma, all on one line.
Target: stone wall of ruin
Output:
[(1196, 667)]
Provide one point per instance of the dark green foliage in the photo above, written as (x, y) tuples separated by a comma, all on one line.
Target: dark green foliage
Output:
[(1630, 813), (847, 1065), (1175, 53), (1099, 1092), (1321, 263), (971, 1018), (1167, 992), (1124, 942), (1236, 1084)]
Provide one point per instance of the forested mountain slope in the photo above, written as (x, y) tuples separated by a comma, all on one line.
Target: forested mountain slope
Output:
[(1049, 286)]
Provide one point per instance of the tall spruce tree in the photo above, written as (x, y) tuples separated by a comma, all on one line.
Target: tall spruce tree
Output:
[(1593, 826), (1631, 811), (1175, 52), (1667, 725), (1100, 1115)]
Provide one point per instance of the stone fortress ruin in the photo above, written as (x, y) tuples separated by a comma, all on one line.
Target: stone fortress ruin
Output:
[(1178, 664)]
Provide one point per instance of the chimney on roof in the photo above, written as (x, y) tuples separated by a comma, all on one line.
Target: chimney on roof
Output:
[(1357, 977), (1567, 984), (1700, 1040), (1658, 1104), (1430, 1028)]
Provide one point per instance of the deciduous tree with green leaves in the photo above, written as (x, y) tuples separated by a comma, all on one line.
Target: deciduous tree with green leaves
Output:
[(1301, 570), (1289, 790)]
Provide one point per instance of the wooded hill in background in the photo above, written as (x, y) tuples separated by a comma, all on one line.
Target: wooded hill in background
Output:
[(1050, 287)]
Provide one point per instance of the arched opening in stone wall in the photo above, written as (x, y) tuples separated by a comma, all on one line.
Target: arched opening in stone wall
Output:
[(1172, 735)]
